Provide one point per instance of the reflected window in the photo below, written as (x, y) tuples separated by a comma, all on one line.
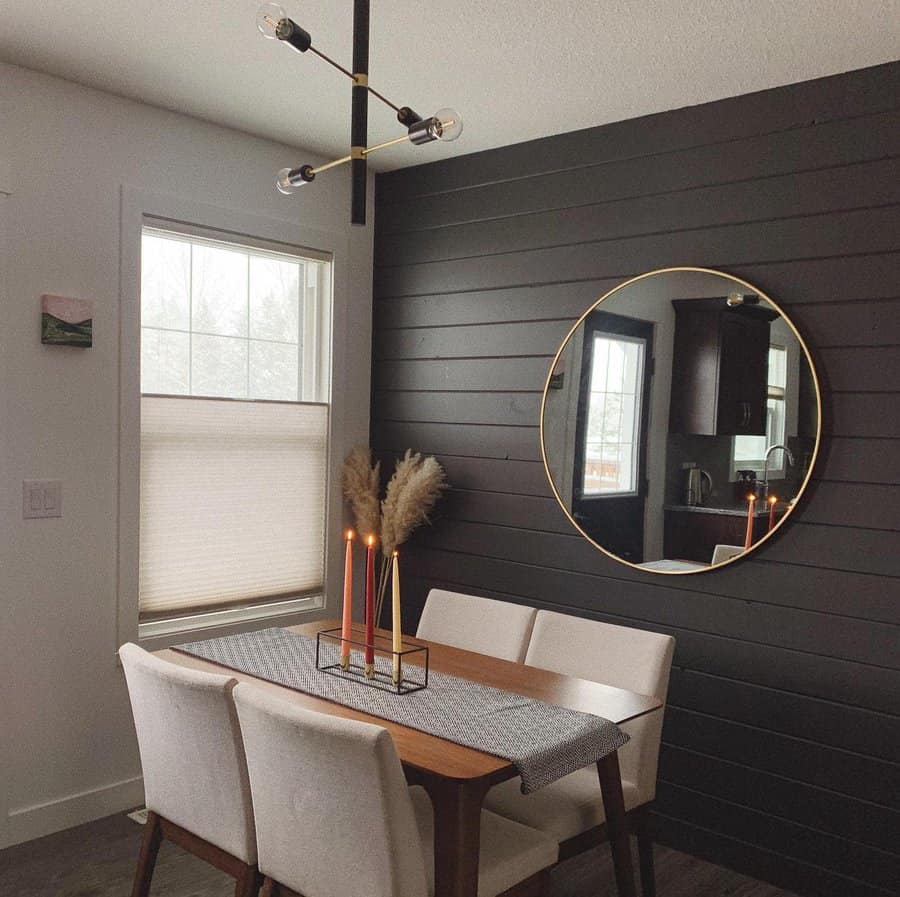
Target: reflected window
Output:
[(750, 451), (612, 435)]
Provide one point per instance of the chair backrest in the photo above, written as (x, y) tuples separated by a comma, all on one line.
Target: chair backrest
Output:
[(726, 552), (333, 813), (195, 772), (616, 655), (497, 628)]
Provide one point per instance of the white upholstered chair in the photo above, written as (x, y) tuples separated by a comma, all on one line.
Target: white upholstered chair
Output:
[(196, 784), (726, 553), (496, 628), (335, 818), (571, 809)]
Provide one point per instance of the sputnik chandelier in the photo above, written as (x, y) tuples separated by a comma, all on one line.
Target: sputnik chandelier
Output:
[(273, 22)]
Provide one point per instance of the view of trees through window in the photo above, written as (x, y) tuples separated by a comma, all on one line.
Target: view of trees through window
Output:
[(614, 414), (221, 320)]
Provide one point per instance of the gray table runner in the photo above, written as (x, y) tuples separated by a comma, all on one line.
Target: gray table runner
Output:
[(543, 741)]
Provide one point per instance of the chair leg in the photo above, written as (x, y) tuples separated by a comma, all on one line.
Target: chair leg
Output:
[(270, 888), (247, 884), (645, 854), (143, 874)]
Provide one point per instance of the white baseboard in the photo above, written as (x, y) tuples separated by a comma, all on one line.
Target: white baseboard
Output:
[(27, 823)]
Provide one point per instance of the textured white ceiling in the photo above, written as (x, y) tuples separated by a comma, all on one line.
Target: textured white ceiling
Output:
[(515, 70)]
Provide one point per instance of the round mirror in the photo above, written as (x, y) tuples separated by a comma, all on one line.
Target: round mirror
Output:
[(680, 420)]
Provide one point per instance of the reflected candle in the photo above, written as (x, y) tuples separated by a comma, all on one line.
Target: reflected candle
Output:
[(751, 505), (773, 500), (370, 607), (347, 620)]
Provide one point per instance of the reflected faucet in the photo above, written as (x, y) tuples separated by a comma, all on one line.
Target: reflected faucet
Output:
[(790, 460)]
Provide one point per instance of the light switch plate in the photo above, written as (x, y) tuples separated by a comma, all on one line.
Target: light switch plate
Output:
[(41, 498)]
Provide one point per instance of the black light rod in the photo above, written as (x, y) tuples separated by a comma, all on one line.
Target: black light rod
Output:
[(360, 111)]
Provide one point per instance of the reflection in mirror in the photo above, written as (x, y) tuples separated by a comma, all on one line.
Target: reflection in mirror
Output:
[(680, 420)]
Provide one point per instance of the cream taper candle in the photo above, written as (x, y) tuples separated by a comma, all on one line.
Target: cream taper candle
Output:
[(347, 620), (395, 622)]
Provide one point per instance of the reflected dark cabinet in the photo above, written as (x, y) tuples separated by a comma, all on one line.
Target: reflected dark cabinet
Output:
[(692, 535), (721, 361)]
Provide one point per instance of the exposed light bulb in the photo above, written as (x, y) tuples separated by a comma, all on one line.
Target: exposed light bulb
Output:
[(269, 18), (447, 125), (290, 180)]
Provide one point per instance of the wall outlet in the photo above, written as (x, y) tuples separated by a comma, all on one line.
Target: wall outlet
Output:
[(41, 498)]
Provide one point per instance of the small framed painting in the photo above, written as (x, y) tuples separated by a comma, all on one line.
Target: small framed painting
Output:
[(67, 322)]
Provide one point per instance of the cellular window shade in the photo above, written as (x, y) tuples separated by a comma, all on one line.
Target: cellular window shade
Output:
[(231, 502)]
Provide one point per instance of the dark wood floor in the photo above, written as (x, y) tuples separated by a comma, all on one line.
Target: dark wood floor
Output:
[(97, 860)]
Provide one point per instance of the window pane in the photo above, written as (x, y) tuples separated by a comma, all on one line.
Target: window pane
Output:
[(165, 362), (274, 369), (600, 366), (165, 283), (616, 372), (612, 417), (777, 366), (219, 291), (596, 416), (749, 448), (274, 299), (775, 421), (218, 366), (614, 413)]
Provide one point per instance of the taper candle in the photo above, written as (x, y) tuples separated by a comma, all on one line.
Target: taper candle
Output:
[(395, 621), (347, 620), (751, 504), (773, 500), (370, 606)]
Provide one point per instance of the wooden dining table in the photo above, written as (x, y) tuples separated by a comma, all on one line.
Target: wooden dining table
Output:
[(457, 778)]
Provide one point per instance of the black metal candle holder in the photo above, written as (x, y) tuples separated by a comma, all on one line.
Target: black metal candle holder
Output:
[(411, 660)]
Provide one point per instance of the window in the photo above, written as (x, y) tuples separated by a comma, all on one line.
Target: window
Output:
[(612, 435), (234, 424), (750, 451)]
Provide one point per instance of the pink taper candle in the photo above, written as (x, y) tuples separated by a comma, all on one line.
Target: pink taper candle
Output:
[(773, 500), (751, 504), (370, 606), (347, 621)]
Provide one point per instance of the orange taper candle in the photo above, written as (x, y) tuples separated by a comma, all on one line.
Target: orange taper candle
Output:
[(347, 620), (370, 606), (751, 504)]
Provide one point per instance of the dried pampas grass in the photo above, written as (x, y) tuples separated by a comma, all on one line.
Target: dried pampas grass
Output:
[(361, 483), (412, 492)]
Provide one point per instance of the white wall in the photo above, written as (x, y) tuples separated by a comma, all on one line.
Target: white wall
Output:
[(67, 752)]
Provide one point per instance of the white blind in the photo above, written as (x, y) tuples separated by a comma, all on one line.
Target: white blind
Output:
[(232, 498)]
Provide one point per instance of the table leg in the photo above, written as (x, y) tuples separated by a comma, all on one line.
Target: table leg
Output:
[(457, 835), (616, 823)]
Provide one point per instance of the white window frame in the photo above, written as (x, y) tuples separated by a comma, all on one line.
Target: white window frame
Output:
[(140, 208), (639, 410)]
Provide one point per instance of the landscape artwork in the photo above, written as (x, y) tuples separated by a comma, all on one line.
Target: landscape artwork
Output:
[(66, 321)]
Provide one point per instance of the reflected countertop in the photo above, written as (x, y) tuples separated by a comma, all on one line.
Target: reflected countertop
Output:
[(761, 509)]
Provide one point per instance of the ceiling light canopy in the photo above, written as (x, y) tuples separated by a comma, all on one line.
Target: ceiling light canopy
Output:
[(446, 124)]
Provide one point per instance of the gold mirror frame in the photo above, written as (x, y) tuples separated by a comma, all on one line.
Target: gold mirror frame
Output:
[(815, 453)]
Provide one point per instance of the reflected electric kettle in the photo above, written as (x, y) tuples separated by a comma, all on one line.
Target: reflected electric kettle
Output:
[(694, 492)]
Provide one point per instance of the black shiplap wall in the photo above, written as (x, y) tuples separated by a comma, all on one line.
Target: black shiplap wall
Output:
[(781, 751)]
